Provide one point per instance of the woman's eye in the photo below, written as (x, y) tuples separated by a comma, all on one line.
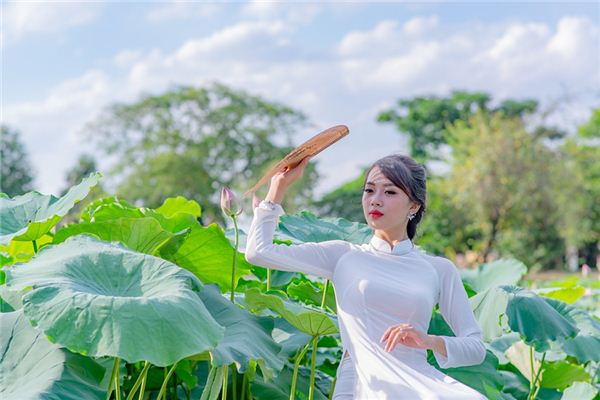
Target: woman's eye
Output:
[(387, 191)]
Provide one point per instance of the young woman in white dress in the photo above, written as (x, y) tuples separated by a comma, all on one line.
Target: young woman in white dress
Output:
[(385, 290)]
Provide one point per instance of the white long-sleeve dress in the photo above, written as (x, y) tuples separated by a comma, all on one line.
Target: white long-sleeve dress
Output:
[(376, 287)]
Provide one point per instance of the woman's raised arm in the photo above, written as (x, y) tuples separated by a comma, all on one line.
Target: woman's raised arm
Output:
[(310, 258)]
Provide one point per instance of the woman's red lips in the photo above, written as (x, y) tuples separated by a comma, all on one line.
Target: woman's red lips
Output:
[(376, 214)]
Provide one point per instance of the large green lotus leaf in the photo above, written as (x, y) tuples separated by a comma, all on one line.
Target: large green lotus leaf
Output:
[(506, 271), (18, 251), (33, 368), (499, 345), (569, 295), (179, 204), (586, 345), (561, 374), (489, 308), (247, 336), (209, 255), (311, 321), (580, 391), (110, 208), (539, 320), (140, 234), (30, 216), (289, 337), (102, 299), (483, 377), (307, 292), (583, 347), (278, 278), (307, 227)]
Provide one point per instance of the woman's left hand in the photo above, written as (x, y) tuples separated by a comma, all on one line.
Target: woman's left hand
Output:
[(407, 335)]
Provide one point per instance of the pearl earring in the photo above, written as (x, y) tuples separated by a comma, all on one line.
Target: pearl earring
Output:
[(411, 216)]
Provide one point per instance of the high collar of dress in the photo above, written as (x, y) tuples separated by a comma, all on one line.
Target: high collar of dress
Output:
[(400, 248)]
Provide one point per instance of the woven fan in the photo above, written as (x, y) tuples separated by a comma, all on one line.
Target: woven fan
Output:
[(312, 146)]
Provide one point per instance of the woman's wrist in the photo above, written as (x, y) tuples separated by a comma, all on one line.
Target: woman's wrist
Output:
[(437, 344), (275, 194)]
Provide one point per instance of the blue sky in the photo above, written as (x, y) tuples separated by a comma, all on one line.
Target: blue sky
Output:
[(339, 62)]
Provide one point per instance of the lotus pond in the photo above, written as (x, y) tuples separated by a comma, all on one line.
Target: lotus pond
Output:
[(138, 303)]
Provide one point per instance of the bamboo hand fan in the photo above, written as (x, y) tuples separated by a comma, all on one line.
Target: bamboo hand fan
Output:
[(312, 146)]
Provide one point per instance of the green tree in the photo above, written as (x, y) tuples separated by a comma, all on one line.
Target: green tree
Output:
[(448, 227), (191, 141), (504, 178), (591, 129), (424, 118), (15, 169), (577, 190)]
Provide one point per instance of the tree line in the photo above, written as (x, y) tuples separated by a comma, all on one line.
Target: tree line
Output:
[(514, 185)]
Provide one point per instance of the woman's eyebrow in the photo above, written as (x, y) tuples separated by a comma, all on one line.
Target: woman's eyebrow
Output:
[(387, 184)]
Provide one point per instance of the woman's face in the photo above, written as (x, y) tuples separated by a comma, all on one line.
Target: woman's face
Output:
[(382, 195)]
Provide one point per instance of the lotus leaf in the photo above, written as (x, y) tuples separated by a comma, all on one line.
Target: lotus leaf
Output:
[(311, 321), (101, 299), (247, 336), (30, 216), (33, 368)]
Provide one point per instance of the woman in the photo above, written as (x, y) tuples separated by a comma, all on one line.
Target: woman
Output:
[(385, 290)]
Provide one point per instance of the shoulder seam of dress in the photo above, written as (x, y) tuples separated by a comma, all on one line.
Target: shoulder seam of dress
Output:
[(425, 258)]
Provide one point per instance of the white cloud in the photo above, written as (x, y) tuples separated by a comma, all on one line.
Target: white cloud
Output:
[(174, 10), (358, 42), (574, 36), (293, 13), (508, 59), (403, 69), (25, 18), (520, 39), (420, 25), (237, 41), (366, 68)]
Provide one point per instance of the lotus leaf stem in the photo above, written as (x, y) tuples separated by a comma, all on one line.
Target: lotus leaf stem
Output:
[(163, 388), (139, 380), (332, 388), (296, 366), (313, 363), (115, 372), (324, 294), (225, 376)]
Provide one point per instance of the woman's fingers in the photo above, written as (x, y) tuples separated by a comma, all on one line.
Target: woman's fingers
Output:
[(394, 339), (386, 333), (395, 334)]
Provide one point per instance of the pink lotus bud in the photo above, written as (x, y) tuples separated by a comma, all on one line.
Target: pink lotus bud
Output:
[(585, 270), (229, 204), (255, 200)]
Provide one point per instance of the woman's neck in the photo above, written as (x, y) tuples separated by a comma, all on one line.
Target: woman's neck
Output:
[(391, 238)]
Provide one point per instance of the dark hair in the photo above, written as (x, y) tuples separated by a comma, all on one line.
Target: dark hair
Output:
[(409, 176)]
